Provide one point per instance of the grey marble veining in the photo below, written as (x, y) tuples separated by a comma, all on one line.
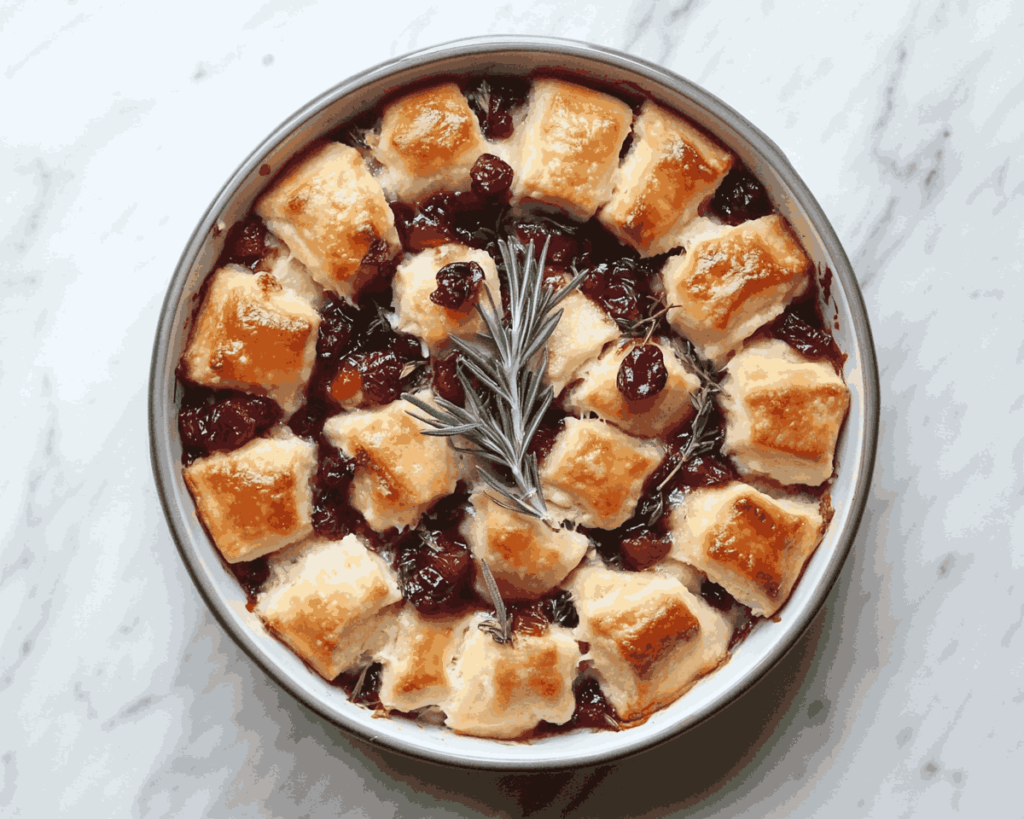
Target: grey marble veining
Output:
[(122, 696)]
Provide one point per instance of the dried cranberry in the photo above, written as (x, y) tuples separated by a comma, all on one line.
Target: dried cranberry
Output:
[(368, 692), (615, 287), (407, 348), (229, 422), (740, 198), (809, 341), (334, 471), (706, 470), (449, 512), (562, 245), (445, 381), (377, 260), (251, 575), (642, 373), (643, 550), (493, 100), (491, 178), (715, 596), (309, 420), (332, 514), (592, 709), (426, 227), (457, 284), (381, 374), (247, 242), (529, 617), (434, 573), (337, 320)]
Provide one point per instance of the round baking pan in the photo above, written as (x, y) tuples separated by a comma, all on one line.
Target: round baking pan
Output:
[(632, 77)]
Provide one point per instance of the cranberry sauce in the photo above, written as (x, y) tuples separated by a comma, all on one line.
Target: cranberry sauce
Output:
[(251, 576), (221, 420), (592, 710), (434, 564), (739, 198), (245, 245), (357, 349), (493, 100), (362, 686)]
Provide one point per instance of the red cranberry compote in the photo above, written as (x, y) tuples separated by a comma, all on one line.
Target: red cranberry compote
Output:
[(218, 421), (493, 100)]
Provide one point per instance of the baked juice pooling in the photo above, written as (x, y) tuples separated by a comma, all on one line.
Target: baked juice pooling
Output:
[(684, 460)]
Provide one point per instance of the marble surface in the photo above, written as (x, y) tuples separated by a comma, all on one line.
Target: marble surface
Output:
[(122, 696)]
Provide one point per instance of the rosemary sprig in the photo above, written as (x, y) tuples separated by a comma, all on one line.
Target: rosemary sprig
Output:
[(499, 626), (503, 413)]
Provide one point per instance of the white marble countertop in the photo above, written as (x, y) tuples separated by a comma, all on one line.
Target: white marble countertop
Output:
[(120, 693)]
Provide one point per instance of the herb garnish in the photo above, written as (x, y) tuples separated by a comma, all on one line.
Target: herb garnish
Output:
[(504, 410)]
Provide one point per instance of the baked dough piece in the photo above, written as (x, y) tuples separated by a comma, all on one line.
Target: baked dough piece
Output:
[(416, 664), (416, 279), (567, 148), (292, 274), (670, 169), (752, 545), (580, 335), (650, 639), (429, 140), (596, 473), (525, 556), (251, 334), (505, 690), (257, 498), (330, 211), (399, 471), (783, 413), (652, 417), (728, 286), (327, 604)]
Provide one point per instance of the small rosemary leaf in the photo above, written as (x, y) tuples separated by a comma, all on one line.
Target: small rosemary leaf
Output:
[(419, 403), (487, 379), (483, 357), (504, 621), (492, 321), (516, 503), (543, 334), (480, 453), (530, 384), (538, 414), (447, 432), (358, 688)]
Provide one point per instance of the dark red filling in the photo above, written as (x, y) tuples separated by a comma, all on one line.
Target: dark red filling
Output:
[(218, 421), (493, 108), (740, 197)]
